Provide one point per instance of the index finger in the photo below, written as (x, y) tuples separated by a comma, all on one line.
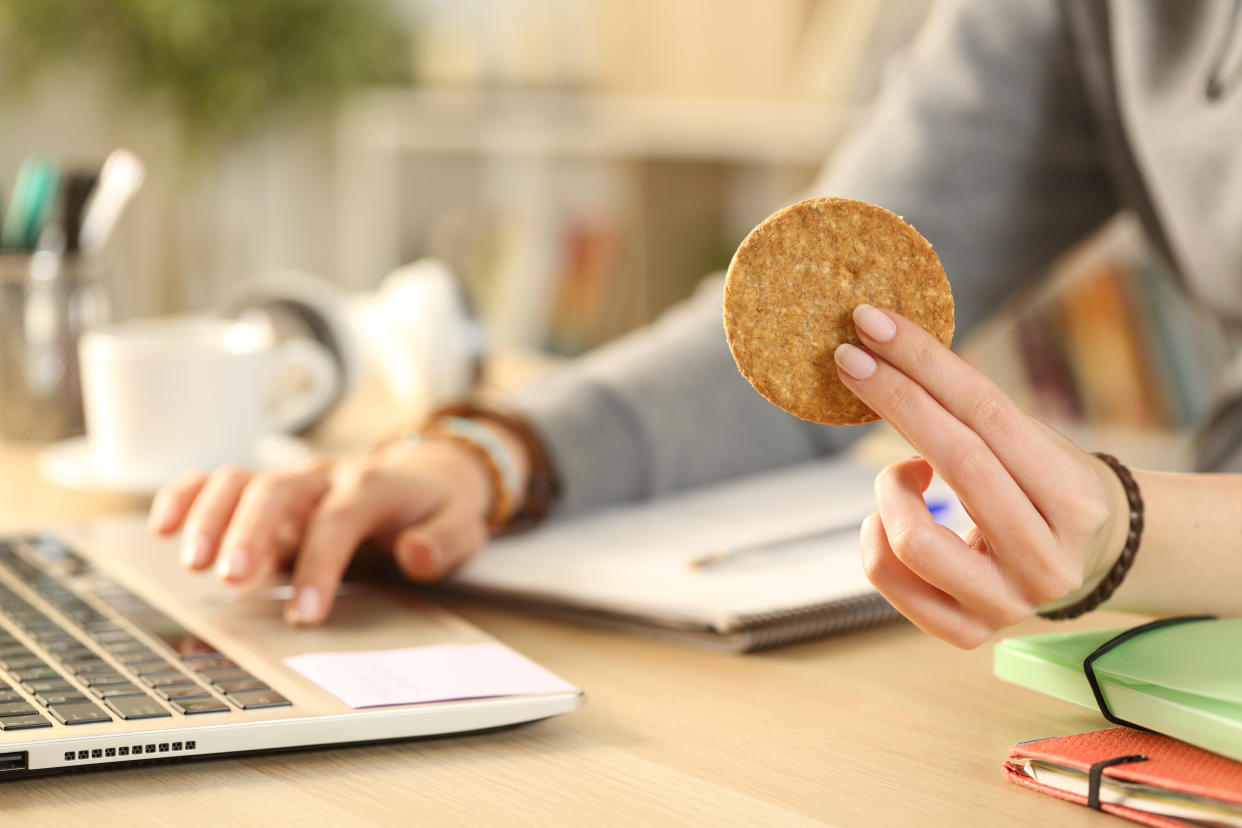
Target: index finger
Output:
[(337, 527), (973, 399), (361, 501), (988, 490)]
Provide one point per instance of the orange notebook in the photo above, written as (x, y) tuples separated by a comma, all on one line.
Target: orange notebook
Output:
[(1176, 784)]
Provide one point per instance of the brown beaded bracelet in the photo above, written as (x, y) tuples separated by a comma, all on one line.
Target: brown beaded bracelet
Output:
[(495, 457), (1113, 578), (542, 484)]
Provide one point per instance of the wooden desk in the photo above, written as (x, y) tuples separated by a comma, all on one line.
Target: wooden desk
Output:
[(887, 727)]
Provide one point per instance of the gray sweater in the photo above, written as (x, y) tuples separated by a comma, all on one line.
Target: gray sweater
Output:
[(1012, 130)]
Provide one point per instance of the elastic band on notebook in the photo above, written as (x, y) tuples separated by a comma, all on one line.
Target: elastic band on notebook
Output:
[(1088, 664), (1096, 774)]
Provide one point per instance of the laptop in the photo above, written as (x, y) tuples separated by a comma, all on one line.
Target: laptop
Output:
[(111, 654)]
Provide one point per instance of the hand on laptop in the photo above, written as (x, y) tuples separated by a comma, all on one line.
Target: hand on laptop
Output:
[(424, 502), (1050, 518)]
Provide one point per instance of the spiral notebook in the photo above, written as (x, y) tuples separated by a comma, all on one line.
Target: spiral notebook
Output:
[(742, 565)]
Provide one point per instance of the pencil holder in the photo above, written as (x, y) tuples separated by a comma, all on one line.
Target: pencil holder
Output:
[(46, 301)]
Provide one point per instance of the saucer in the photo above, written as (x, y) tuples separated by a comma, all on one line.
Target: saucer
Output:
[(69, 463)]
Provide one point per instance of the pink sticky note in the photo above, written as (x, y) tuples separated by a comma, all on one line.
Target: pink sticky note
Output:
[(376, 678)]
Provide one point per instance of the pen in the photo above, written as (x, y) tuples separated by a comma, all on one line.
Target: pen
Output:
[(30, 203), (75, 192), (121, 176), (937, 507)]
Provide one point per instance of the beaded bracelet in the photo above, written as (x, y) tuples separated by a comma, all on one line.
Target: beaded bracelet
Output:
[(1114, 576), (543, 484), (501, 467)]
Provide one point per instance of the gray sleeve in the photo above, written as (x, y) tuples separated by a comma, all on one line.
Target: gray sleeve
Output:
[(986, 144), (983, 143), (660, 409)]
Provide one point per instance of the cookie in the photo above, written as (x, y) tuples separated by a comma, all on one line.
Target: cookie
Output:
[(792, 288)]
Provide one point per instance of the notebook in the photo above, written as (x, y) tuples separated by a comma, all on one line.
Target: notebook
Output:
[(1175, 784), (111, 654), (1183, 680), (742, 565)]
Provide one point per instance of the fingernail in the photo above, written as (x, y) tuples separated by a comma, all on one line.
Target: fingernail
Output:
[(235, 564), (854, 361), (431, 556), (304, 609), (194, 552), (158, 519), (875, 323), (419, 558)]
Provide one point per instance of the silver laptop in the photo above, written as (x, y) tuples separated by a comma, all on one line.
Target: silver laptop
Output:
[(111, 654)]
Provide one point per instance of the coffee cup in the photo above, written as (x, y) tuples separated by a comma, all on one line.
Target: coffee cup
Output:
[(164, 396)]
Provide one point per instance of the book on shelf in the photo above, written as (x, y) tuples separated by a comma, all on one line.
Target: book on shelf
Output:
[(1115, 342), (1053, 392), (1104, 350), (587, 305)]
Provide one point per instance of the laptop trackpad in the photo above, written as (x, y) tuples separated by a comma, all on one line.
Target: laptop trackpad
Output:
[(367, 615)]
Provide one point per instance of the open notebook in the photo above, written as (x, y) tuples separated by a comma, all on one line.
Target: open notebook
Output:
[(742, 565)]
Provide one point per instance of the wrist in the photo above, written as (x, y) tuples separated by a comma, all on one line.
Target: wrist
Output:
[(494, 454), (518, 453), (448, 463), (541, 483), (1113, 535), (1113, 555)]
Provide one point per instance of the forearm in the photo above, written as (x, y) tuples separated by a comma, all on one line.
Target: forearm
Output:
[(663, 409), (1190, 557)]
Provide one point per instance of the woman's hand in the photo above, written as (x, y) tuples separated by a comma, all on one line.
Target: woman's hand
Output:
[(1049, 518), (424, 502)]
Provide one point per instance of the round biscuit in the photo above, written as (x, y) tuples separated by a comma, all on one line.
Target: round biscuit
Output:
[(792, 288)]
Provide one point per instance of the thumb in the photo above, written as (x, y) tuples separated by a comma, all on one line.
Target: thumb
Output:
[(440, 544)]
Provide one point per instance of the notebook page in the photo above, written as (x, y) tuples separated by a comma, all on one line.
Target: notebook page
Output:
[(638, 559)]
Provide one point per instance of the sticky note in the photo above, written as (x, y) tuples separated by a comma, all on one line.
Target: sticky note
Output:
[(441, 672)]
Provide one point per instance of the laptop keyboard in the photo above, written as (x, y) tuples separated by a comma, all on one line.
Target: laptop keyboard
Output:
[(102, 653)]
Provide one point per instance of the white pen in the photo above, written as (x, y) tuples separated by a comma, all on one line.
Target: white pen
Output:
[(733, 553), (120, 178)]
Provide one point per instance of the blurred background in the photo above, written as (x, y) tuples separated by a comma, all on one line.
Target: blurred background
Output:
[(579, 164)]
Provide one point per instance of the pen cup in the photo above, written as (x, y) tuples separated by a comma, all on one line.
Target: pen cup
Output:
[(46, 301)]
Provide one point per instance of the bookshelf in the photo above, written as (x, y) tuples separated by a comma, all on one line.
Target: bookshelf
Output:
[(583, 165), (571, 216), (1110, 351)]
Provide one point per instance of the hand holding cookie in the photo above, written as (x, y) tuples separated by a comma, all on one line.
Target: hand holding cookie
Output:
[(1050, 518), (839, 312)]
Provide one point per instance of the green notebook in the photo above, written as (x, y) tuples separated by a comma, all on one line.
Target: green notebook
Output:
[(1183, 680)]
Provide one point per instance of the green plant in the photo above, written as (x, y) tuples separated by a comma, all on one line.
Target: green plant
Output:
[(220, 66)]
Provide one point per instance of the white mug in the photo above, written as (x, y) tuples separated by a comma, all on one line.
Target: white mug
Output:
[(164, 396)]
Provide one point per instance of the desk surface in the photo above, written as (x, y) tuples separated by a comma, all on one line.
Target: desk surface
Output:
[(886, 727)]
